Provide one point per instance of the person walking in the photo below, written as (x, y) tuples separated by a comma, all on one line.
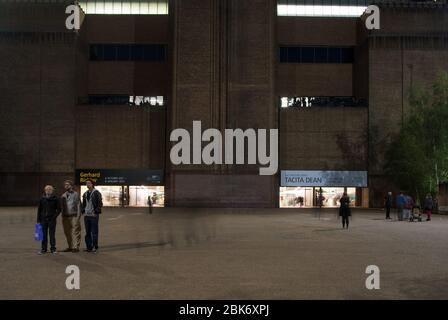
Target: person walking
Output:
[(401, 200), (388, 204), (428, 207), (407, 208), (91, 209), (344, 210), (71, 217), (47, 214)]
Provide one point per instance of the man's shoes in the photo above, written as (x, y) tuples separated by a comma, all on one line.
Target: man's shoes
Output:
[(41, 252), (75, 250), (95, 250), (54, 251), (67, 250), (87, 250)]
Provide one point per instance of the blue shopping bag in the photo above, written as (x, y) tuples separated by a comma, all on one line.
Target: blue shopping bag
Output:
[(38, 234)]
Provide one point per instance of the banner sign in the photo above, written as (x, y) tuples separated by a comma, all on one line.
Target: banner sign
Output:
[(132, 177), (324, 179)]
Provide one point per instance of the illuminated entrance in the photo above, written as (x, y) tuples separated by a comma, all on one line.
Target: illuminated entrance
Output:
[(300, 189), (130, 196), (300, 197), (125, 188)]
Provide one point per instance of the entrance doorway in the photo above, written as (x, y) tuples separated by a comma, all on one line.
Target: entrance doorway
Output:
[(302, 197)]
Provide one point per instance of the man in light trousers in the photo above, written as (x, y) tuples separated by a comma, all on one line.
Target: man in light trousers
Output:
[(71, 217)]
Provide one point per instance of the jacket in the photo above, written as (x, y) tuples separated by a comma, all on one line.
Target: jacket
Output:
[(388, 201), (70, 204), (401, 200), (49, 209), (429, 204), (344, 209), (97, 201)]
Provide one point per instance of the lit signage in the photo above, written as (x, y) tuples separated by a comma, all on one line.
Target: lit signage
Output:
[(120, 177)]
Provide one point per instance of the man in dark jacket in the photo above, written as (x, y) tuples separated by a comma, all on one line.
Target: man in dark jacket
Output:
[(91, 209), (344, 210), (388, 204), (47, 213)]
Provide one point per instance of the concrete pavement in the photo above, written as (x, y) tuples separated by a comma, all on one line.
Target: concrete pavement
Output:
[(230, 254)]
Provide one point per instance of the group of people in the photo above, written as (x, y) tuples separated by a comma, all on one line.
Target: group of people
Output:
[(70, 205), (405, 206)]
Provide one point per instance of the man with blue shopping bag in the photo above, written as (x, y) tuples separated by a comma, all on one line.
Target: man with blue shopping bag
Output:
[(38, 234), (47, 214)]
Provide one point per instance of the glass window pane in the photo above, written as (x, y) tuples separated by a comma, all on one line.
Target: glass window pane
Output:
[(334, 55), (110, 52), (293, 54), (321, 55), (307, 55), (346, 55), (123, 52)]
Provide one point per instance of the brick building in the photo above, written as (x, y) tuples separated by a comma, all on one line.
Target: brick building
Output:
[(101, 102)]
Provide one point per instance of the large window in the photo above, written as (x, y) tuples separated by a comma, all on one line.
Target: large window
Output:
[(150, 101), (306, 54), (321, 8), (313, 101), (154, 7), (128, 52), (297, 197)]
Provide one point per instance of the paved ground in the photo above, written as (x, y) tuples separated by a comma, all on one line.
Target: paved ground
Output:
[(230, 254)]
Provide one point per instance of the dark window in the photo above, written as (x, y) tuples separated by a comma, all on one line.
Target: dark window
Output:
[(109, 52), (346, 55), (125, 100), (137, 52), (316, 55), (96, 52), (334, 55), (110, 100), (294, 54), (283, 54), (321, 55), (128, 52), (123, 52), (307, 55), (330, 101)]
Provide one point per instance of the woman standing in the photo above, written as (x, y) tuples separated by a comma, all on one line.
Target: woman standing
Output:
[(344, 210)]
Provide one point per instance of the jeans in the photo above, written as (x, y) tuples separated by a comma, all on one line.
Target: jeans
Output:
[(400, 214), (91, 225), (49, 228), (387, 212)]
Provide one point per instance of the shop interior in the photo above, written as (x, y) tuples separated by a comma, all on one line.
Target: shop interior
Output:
[(306, 197), (130, 196)]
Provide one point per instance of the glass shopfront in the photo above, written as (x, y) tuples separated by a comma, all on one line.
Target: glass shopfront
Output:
[(301, 197), (130, 196), (314, 188), (125, 188)]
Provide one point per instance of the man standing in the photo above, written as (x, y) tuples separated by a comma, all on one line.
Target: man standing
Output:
[(429, 205), (344, 210), (47, 213), (388, 204), (401, 201), (71, 217), (91, 208)]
